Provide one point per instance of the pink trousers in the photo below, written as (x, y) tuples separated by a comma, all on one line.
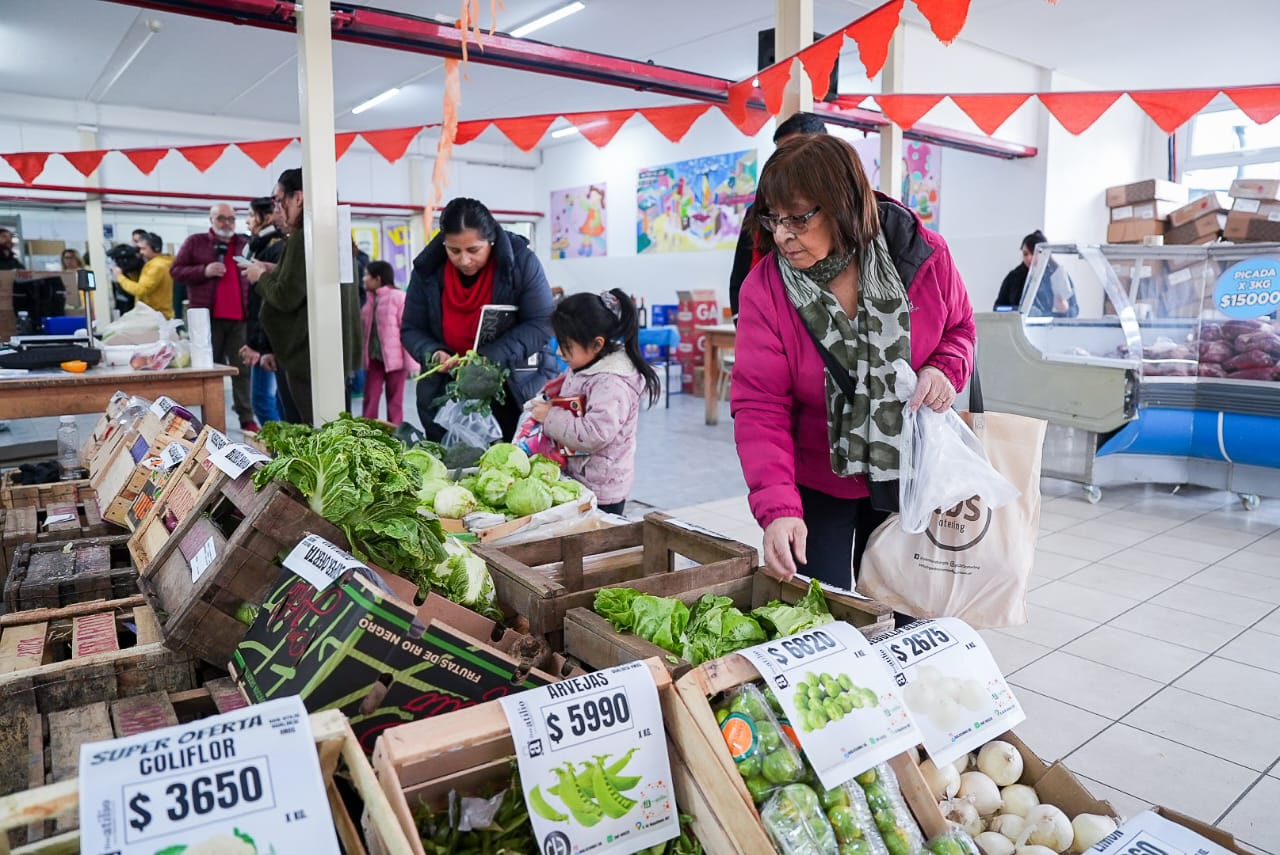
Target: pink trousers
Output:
[(375, 376)]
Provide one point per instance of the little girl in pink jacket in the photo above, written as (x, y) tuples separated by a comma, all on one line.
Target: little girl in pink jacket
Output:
[(599, 338), (385, 360)]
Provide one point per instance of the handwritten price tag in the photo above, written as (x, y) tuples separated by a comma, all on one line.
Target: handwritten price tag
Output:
[(235, 458), (838, 699), (593, 762), (320, 562), (246, 780)]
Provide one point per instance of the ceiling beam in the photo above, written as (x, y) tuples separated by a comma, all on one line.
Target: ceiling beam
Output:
[(420, 35)]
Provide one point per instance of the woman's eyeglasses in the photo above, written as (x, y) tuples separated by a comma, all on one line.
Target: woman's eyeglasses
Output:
[(797, 224)]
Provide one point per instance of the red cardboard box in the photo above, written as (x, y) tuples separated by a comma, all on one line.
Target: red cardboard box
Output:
[(696, 308)]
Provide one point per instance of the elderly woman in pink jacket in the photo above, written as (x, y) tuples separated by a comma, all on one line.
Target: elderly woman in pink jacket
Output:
[(385, 360), (851, 281)]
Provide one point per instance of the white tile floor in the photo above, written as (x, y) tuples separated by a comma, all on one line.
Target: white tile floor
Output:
[(1151, 664)]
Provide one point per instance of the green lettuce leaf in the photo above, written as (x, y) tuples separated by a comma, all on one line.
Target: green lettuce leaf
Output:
[(661, 620), (614, 604), (779, 618), (716, 628)]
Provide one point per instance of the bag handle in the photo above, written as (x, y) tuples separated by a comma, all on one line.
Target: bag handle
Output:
[(975, 389)]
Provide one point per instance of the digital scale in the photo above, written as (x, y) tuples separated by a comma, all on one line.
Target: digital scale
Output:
[(50, 351)]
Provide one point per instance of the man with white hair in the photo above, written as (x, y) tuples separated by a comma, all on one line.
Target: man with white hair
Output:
[(207, 264)]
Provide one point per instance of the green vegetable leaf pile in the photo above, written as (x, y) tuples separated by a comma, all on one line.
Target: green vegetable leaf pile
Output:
[(508, 482), (465, 579), (779, 618)]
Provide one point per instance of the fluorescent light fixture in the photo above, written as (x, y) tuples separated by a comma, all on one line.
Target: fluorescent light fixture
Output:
[(376, 100), (564, 132), (549, 18), (135, 39)]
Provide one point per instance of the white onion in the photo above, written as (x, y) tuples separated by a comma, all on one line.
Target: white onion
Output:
[(972, 696), (992, 843), (943, 781), (1089, 828), (1033, 850), (1000, 762), (1019, 799), (946, 713), (963, 814), (979, 789), (1009, 825), (1048, 826)]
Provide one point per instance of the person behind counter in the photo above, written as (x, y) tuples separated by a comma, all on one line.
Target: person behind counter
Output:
[(851, 283), (1046, 303)]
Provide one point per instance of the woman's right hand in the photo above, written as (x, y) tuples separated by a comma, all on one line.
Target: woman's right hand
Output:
[(444, 359), (784, 545)]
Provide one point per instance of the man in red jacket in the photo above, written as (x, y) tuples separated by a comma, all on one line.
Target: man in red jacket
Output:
[(207, 264)]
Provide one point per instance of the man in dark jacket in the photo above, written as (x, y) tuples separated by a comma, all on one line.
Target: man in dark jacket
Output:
[(8, 258), (744, 256), (1056, 296), (266, 243), (207, 264)]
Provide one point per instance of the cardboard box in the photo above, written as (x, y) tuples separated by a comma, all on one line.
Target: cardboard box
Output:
[(364, 649), (663, 315), (1173, 831), (1133, 231), (1243, 227), (1255, 188), (1210, 203), (1153, 210), (1146, 191), (1204, 229), (697, 308)]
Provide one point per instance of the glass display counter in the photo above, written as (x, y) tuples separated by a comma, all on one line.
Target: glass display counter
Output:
[(1151, 364)]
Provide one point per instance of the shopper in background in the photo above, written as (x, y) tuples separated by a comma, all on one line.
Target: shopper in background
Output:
[(153, 285), (858, 273), (599, 338), (8, 258), (283, 315), (471, 263), (71, 260), (206, 262), (266, 243), (1046, 302), (385, 359), (748, 254), (359, 263)]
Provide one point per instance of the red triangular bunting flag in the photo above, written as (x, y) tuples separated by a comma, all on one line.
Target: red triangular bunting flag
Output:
[(1077, 111), (600, 128), (1172, 108), (145, 158), (873, 32), (946, 17), (203, 156), (674, 122), (264, 152), (1260, 103), (736, 107), (525, 132), (773, 86), (905, 110), (751, 123), (342, 142), (818, 59), (85, 162), (467, 131), (28, 164), (989, 112), (393, 142)]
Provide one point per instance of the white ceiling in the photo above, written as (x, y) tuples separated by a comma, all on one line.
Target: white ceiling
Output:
[(58, 49)]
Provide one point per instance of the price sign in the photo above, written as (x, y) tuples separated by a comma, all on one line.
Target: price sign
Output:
[(951, 684), (593, 762), (320, 562), (1148, 833), (1249, 289), (248, 780), (235, 458), (216, 439), (838, 698), (173, 454), (202, 559), (162, 405)]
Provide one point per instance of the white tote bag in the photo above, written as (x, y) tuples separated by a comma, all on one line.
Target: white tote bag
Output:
[(972, 562)]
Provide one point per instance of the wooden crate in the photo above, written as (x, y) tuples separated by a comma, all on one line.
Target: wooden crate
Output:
[(51, 575), (592, 640), (55, 737), (27, 525), (697, 734), (472, 748), (340, 759), (16, 495), (245, 534), (543, 579)]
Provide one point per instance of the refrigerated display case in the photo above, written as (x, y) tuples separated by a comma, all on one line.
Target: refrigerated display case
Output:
[(1157, 364)]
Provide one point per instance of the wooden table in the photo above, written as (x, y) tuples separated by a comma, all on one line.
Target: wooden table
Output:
[(719, 337), (55, 392)]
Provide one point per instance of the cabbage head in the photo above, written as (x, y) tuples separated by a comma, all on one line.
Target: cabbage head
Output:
[(492, 485), (528, 496), (454, 502), (431, 467), (544, 469), (465, 579), (508, 458)]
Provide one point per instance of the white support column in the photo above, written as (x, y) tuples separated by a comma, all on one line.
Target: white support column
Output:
[(793, 31), (419, 181), (320, 212), (891, 80), (102, 301)]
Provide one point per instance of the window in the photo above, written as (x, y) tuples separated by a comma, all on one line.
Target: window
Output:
[(1224, 144)]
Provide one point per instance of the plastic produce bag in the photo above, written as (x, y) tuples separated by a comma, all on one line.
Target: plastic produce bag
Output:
[(479, 430), (941, 463), (851, 819), (893, 818), (762, 752), (140, 325), (795, 822), (153, 357), (954, 842)]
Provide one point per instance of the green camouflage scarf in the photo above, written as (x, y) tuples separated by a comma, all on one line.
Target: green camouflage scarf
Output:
[(863, 432)]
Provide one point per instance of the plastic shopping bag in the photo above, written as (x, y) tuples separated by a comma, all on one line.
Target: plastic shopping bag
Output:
[(478, 430), (941, 463)]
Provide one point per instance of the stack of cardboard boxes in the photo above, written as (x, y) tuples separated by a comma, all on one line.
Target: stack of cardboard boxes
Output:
[(1255, 211), (695, 309), (1140, 210), (1199, 221)]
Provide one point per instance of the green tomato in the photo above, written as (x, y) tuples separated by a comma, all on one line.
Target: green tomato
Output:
[(867, 777), (810, 679), (846, 703), (834, 797), (782, 767), (770, 736), (832, 688), (816, 718), (759, 788), (845, 823), (845, 681), (878, 800), (946, 846), (801, 700), (721, 715), (895, 841), (869, 698), (750, 766), (856, 847)]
